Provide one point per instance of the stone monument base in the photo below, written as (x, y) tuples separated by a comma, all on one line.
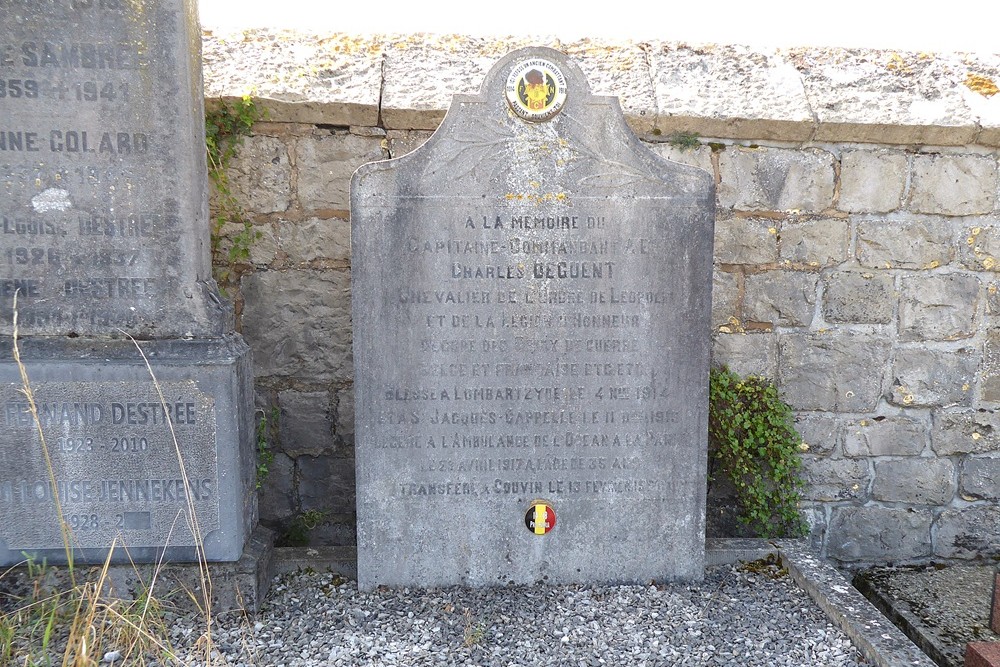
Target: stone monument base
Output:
[(134, 465)]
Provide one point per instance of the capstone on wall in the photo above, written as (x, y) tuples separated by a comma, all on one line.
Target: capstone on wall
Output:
[(857, 249)]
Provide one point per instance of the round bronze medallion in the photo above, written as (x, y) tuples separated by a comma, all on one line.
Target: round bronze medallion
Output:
[(536, 90)]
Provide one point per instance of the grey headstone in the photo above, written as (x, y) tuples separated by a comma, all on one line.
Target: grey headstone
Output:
[(531, 305), (104, 222), (104, 210)]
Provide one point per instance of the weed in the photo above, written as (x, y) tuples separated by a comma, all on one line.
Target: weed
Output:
[(474, 632), (684, 140), (750, 431), (297, 534), (267, 429), (226, 126)]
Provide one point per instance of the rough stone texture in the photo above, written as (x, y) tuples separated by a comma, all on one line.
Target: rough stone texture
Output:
[(820, 431), (277, 491), (942, 608), (260, 175), (835, 479), (746, 241), (872, 181), (750, 93), (622, 70), (823, 372), (905, 244), (993, 298), (816, 243), (305, 334), (965, 432), (423, 72), (856, 296), (747, 354), (953, 184), (990, 370), (725, 297), (880, 642), (316, 239), (780, 298), (344, 418), (775, 179), (906, 290), (885, 436), (325, 165), (968, 532), (928, 377), (144, 395), (878, 534), (402, 142), (938, 307), (333, 79), (982, 654), (326, 484), (980, 478), (305, 423), (918, 481), (903, 98), (695, 156), (979, 248), (263, 249)]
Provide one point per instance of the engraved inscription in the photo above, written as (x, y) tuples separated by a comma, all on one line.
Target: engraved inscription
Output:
[(91, 141), (115, 466), (552, 349)]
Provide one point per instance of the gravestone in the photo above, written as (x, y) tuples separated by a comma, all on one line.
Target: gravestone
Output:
[(105, 238), (531, 298)]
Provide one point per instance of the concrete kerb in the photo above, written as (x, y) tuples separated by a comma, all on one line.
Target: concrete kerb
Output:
[(873, 634)]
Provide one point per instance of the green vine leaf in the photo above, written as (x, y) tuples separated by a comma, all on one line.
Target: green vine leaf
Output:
[(751, 434), (226, 126)]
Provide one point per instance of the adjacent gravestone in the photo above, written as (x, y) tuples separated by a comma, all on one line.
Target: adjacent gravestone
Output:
[(104, 222), (531, 298)]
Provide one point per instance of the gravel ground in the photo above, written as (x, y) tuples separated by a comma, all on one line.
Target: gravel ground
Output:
[(738, 616)]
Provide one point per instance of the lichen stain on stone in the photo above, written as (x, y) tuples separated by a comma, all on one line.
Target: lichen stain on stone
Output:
[(536, 198), (981, 84)]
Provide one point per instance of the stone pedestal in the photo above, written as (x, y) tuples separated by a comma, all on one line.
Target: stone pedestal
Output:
[(104, 237)]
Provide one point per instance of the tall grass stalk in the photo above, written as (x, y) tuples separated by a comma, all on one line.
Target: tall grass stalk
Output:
[(205, 604), (64, 528)]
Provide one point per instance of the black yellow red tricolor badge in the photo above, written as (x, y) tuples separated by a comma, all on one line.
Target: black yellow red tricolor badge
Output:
[(536, 89), (540, 518)]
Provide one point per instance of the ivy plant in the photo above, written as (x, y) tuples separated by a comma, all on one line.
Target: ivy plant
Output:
[(755, 444), (226, 125)]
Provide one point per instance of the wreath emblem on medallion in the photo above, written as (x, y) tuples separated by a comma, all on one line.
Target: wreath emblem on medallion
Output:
[(536, 89)]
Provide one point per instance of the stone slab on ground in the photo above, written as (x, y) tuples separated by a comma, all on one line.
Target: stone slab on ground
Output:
[(940, 608)]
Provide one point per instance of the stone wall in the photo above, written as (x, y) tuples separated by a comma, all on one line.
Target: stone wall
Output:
[(856, 248)]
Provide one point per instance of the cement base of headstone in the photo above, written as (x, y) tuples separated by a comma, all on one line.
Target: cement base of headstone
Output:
[(942, 609), (236, 586), (338, 560), (218, 370)]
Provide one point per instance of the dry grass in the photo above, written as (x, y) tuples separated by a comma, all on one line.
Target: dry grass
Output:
[(62, 616)]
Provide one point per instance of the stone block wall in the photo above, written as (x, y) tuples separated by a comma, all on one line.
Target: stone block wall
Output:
[(857, 247)]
